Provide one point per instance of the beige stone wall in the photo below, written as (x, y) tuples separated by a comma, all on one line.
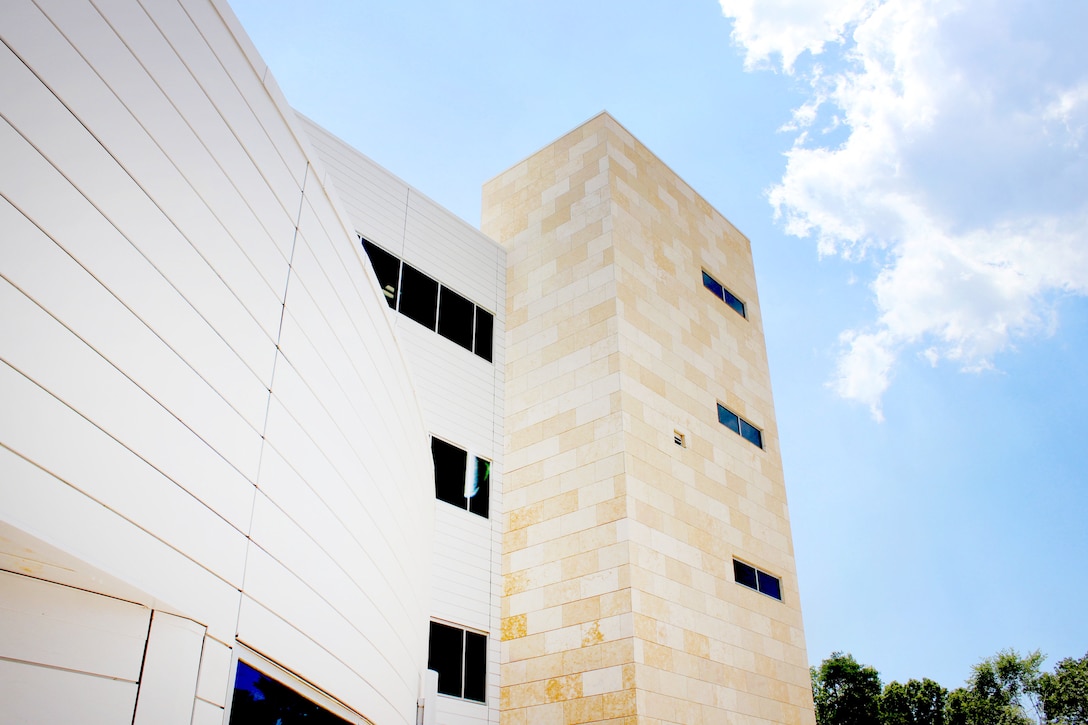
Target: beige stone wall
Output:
[(619, 601)]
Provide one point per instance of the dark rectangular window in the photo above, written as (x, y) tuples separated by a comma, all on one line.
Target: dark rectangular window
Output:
[(418, 296), (471, 492), (485, 330), (386, 269), (455, 318), (750, 433), (753, 578), (740, 426), (460, 659), (724, 294), (449, 472)]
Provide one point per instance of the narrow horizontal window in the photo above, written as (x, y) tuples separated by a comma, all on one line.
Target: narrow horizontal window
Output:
[(753, 578), (724, 294), (740, 426), (431, 304)]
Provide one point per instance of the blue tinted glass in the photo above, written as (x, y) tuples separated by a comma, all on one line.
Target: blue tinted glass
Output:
[(744, 574), (729, 419), (750, 432), (712, 284), (769, 585), (733, 302)]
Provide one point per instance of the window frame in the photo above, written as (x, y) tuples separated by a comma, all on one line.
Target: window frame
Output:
[(291, 681), (726, 295), (759, 576), (479, 667), (483, 495), (481, 344), (744, 428)]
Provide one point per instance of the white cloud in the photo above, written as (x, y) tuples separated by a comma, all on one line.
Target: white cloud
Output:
[(960, 169)]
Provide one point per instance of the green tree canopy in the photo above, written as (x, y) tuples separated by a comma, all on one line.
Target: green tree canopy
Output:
[(1064, 693), (845, 693), (915, 703)]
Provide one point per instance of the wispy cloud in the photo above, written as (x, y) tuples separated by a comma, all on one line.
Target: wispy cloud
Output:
[(959, 165)]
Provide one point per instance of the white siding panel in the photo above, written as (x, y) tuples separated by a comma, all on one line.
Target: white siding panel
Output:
[(30, 697), (53, 511), (213, 683), (61, 364), (194, 156), (164, 249), (357, 604), (171, 664), (90, 461), (205, 713), (250, 79), (163, 156), (63, 288), (58, 626), (354, 544), (368, 692)]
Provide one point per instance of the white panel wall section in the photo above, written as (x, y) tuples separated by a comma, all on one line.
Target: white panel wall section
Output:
[(68, 655), (206, 408), (461, 394)]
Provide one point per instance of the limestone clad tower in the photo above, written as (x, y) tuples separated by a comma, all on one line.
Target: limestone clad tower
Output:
[(648, 568)]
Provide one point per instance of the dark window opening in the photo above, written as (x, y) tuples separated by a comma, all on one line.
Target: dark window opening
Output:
[(753, 578), (455, 318), (740, 426), (451, 484), (260, 700), (485, 330), (418, 296), (460, 659), (724, 294), (386, 269), (750, 433), (423, 299)]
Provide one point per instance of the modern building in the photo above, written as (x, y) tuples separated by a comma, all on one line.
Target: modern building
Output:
[(253, 451)]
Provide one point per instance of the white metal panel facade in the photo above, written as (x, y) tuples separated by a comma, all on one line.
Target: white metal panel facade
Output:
[(460, 393), (206, 411)]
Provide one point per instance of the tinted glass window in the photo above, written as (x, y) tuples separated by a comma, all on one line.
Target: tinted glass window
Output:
[(712, 284), (485, 329), (729, 419), (386, 269), (445, 657), (475, 666), (455, 318), (769, 585), (734, 302), (449, 472), (477, 503), (745, 574), (418, 296), (751, 433), (260, 700)]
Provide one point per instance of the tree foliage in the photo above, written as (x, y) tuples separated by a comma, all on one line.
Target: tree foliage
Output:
[(844, 692), (1006, 689), (1064, 693), (915, 703)]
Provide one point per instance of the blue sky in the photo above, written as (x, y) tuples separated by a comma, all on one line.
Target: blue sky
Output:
[(913, 176)]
